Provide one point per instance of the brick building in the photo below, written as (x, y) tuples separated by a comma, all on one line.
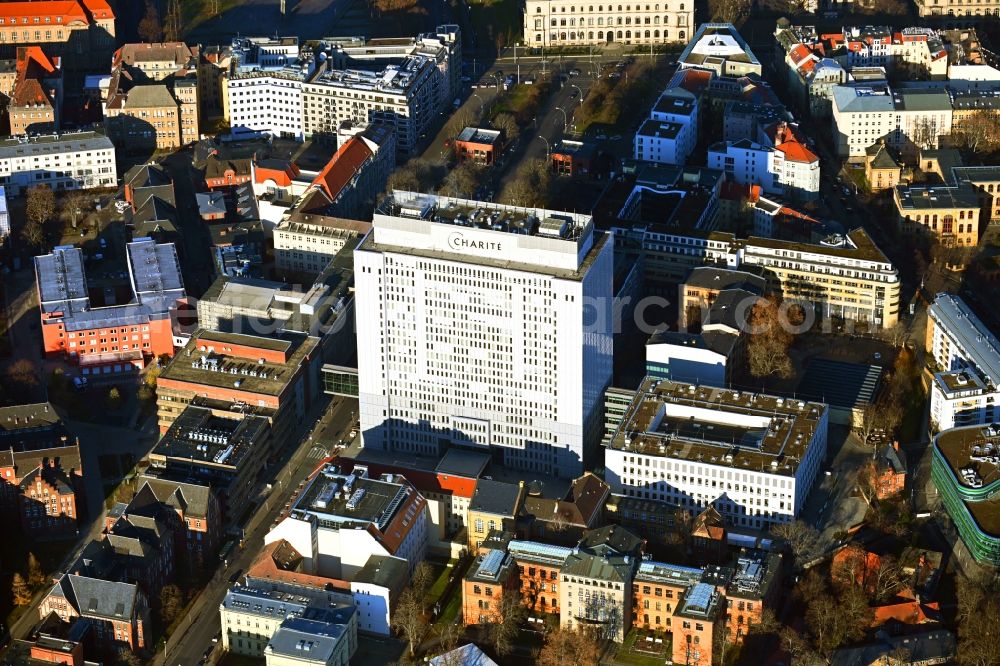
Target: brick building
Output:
[(194, 512), (104, 337), (481, 146), (40, 469), (82, 31), (890, 471), (118, 613), (573, 158), (275, 377), (37, 96), (492, 575)]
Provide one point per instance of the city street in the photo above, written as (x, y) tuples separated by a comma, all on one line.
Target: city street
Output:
[(193, 637)]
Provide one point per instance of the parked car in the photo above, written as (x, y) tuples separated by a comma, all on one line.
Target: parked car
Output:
[(574, 72)]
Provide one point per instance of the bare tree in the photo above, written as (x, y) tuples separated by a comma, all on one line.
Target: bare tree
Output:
[(506, 123), (150, 29), (507, 621), (463, 181), (800, 536), (531, 186), (979, 131), (879, 419), (39, 209), (568, 646), (409, 620), (978, 617), (767, 350), (887, 578), (728, 11), (174, 22), (171, 603), (422, 579)]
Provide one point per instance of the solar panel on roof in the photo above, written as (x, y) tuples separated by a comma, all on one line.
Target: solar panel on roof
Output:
[(700, 597), (491, 563)]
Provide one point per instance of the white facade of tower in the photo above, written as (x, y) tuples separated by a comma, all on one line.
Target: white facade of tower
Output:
[(489, 330)]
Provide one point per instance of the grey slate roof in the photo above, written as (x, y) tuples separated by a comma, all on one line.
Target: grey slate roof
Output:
[(96, 598), (144, 97), (192, 499), (306, 639), (495, 497), (385, 571)]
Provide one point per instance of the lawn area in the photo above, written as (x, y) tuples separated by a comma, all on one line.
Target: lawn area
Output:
[(441, 572), (628, 654), (454, 607), (619, 102)]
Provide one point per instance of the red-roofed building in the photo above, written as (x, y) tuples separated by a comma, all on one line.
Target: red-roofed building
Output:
[(909, 612), (83, 31), (354, 176), (36, 98)]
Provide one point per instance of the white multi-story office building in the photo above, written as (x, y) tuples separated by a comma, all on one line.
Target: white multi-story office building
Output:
[(966, 390), (313, 92), (908, 119), (753, 456), (569, 22), (70, 161), (484, 326)]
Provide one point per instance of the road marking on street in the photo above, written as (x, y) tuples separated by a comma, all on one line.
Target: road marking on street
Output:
[(316, 452)]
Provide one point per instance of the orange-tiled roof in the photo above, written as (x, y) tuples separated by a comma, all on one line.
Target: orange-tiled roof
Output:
[(99, 9), (695, 81), (733, 191), (282, 177), (341, 168), (784, 139), (33, 63), (799, 53), (67, 10), (907, 612)]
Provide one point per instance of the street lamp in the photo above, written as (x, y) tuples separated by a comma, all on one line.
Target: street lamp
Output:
[(496, 75), (565, 118), (578, 91), (548, 148)]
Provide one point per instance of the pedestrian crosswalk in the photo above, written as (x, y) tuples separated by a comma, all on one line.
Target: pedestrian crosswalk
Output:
[(317, 452)]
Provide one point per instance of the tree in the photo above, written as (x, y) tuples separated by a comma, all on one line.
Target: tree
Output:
[(174, 21), (728, 11), (449, 634), (36, 575), (20, 591), (978, 616), (464, 117), (22, 376), (800, 536), (531, 186), (507, 621), (979, 131), (171, 603), (887, 578), (422, 579), (114, 399), (126, 657), (409, 619), (568, 646), (39, 209), (506, 123), (767, 350), (832, 621), (150, 29), (879, 419), (463, 181)]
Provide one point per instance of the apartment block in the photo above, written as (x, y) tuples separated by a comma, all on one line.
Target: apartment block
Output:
[(103, 337), (275, 88), (967, 359), (218, 451), (283, 621), (781, 164), (69, 161), (82, 31), (152, 98), (568, 23), (671, 132), (908, 119), (754, 457), (843, 276)]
